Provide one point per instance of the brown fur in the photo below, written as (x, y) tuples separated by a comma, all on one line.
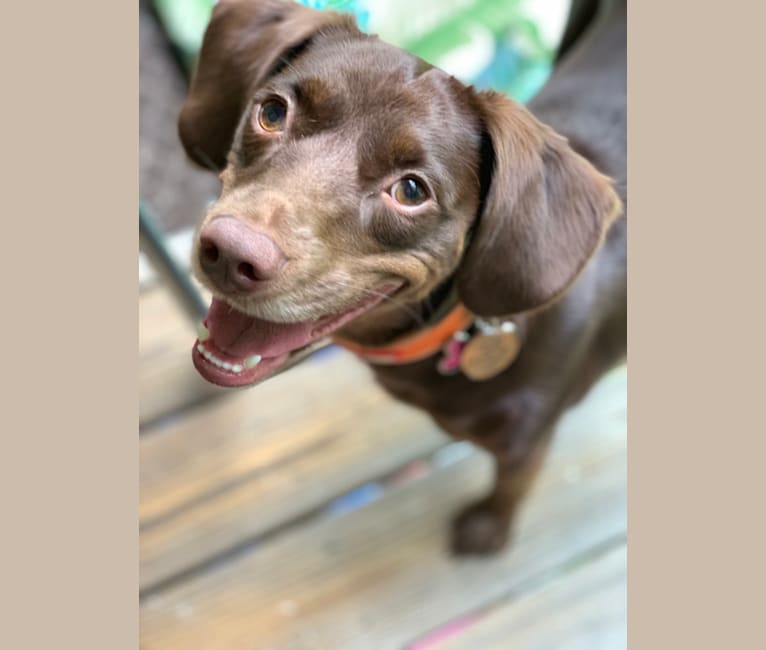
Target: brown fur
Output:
[(524, 221)]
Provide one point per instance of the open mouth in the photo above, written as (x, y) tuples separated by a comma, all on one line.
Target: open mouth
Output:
[(234, 349)]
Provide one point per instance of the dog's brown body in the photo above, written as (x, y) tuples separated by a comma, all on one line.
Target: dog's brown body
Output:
[(566, 346), (514, 221)]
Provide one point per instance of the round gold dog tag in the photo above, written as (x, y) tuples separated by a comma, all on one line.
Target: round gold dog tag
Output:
[(490, 351)]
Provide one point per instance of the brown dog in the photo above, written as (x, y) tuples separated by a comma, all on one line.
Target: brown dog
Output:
[(366, 194)]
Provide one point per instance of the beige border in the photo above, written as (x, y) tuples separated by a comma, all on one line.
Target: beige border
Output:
[(70, 470), (70, 450), (693, 570)]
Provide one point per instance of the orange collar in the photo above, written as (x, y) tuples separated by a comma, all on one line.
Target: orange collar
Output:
[(417, 346)]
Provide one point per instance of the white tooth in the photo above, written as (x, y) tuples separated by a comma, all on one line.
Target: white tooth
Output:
[(207, 355), (226, 365), (237, 368), (203, 334), (201, 348), (253, 361)]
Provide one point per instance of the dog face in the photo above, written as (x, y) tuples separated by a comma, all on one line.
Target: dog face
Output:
[(352, 174), (352, 177)]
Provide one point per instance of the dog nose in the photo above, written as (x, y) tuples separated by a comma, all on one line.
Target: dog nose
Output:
[(236, 256)]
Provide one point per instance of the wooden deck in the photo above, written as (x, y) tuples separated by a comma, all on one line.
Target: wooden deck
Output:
[(312, 512)]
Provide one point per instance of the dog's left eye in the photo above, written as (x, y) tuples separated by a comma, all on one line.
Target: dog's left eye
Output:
[(272, 115), (409, 192)]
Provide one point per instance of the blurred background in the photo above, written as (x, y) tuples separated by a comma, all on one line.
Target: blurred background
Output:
[(313, 511)]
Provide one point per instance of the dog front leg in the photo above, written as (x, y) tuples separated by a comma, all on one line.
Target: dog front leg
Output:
[(518, 439)]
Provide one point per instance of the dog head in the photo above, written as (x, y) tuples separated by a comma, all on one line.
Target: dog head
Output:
[(356, 178)]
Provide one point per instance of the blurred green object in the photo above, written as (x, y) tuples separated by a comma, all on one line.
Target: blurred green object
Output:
[(490, 43), (184, 22), (356, 7)]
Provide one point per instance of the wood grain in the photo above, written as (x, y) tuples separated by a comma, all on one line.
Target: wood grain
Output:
[(167, 380), (255, 460), (584, 609), (380, 576)]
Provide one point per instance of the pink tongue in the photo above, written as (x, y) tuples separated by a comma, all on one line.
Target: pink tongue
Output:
[(240, 335)]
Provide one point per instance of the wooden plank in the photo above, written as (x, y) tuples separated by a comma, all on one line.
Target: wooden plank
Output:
[(257, 459), (167, 379), (376, 580), (585, 609), (380, 576), (195, 453)]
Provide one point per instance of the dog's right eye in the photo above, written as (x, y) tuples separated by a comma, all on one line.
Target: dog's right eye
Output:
[(272, 115), (409, 192)]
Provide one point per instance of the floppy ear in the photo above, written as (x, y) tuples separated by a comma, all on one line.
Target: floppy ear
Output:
[(544, 214), (244, 42)]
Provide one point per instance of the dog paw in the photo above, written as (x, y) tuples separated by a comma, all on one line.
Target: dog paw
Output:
[(480, 530)]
